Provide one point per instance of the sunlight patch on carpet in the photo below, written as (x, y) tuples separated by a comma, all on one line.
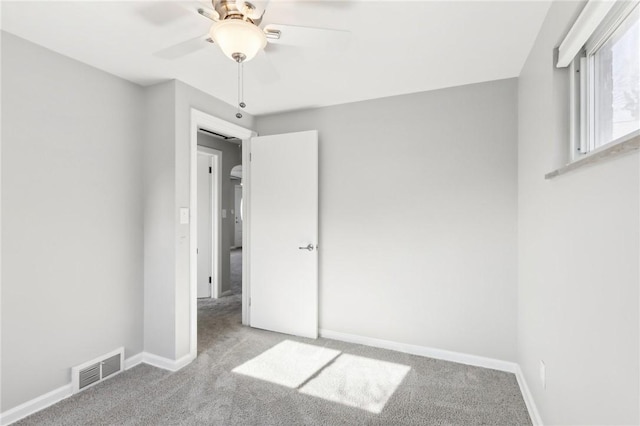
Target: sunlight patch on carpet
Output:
[(288, 363), (359, 382)]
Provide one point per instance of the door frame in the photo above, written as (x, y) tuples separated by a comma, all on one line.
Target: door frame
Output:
[(216, 223), (202, 120)]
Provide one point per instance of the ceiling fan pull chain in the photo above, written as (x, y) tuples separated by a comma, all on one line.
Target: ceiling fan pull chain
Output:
[(240, 103)]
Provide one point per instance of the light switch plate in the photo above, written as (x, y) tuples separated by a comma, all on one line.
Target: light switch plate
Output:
[(224, 213), (184, 215)]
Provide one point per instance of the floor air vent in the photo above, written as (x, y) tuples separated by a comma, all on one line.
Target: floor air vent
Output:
[(94, 371)]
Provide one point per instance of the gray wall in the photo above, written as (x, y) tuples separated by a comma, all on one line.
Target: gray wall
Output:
[(578, 256), (72, 240), (418, 216), (231, 156), (159, 217)]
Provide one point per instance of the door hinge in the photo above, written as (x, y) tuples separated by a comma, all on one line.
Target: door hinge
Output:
[(209, 169), (209, 280), (249, 156), (249, 301)]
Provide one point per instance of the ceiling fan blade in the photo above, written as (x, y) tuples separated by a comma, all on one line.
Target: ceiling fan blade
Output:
[(183, 48), (306, 36), (209, 14), (262, 69), (161, 13)]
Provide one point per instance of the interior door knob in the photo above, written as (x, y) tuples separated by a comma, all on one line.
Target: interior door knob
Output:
[(309, 247)]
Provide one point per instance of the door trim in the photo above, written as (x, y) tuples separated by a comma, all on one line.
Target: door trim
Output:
[(202, 120), (216, 223)]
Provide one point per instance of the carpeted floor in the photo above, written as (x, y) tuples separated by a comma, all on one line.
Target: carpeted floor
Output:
[(283, 380)]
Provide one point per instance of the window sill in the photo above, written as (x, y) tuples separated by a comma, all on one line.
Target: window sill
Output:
[(600, 155)]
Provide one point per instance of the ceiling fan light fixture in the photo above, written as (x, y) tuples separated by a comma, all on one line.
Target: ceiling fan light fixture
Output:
[(239, 40)]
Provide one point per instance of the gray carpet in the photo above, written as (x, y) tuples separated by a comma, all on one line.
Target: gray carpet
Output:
[(321, 382)]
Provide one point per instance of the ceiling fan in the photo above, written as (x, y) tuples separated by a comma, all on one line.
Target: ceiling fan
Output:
[(237, 30)]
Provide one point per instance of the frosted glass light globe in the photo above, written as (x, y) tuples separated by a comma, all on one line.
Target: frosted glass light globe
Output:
[(238, 36)]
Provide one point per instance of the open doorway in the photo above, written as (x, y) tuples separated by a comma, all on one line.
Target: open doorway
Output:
[(209, 132), (219, 253)]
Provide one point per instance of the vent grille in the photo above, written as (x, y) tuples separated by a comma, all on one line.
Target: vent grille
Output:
[(110, 366), (96, 370), (89, 375)]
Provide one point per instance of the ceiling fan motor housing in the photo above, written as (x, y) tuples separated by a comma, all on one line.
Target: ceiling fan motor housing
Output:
[(238, 9)]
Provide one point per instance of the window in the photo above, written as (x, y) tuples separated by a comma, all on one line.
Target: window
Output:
[(605, 75), (615, 69)]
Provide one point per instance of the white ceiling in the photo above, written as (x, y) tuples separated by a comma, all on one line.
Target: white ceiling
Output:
[(396, 47)]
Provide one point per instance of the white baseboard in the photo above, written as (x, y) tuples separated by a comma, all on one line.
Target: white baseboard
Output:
[(528, 398), (36, 404), (43, 401), (132, 361), (165, 363), (56, 395), (461, 358)]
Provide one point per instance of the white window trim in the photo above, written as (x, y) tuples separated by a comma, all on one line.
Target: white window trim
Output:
[(589, 20)]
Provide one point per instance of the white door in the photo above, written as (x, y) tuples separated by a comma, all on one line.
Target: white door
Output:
[(284, 233), (205, 266), (237, 240)]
